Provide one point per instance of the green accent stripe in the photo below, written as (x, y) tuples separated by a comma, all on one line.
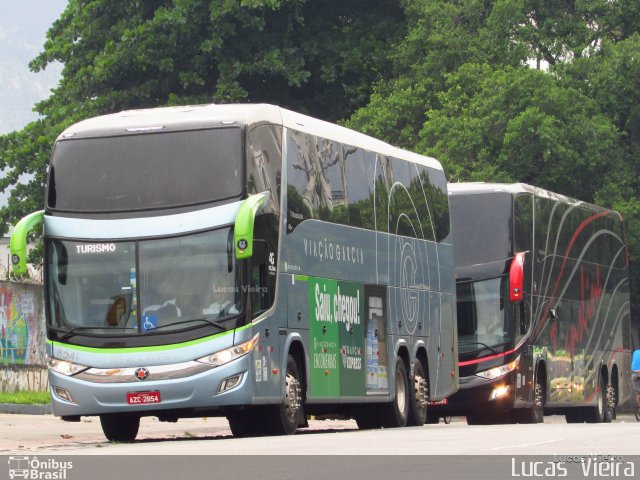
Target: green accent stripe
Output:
[(155, 348), (301, 278)]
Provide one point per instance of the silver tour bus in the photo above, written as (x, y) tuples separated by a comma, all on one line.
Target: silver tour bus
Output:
[(243, 261)]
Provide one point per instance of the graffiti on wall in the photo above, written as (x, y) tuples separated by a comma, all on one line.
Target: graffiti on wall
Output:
[(19, 312)]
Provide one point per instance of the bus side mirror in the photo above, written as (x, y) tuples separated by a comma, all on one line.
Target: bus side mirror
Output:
[(18, 242), (245, 219)]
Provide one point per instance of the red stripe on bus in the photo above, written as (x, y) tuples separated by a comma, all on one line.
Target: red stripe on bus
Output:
[(564, 262), (484, 359)]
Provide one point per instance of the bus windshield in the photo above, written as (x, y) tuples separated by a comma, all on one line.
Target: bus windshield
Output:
[(142, 287), (482, 318), (481, 225), (145, 171)]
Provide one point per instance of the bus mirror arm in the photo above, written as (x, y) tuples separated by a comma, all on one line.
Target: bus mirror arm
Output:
[(245, 219), (18, 242)]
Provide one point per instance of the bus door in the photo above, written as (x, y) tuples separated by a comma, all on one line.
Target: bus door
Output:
[(376, 347), (447, 350), (560, 358)]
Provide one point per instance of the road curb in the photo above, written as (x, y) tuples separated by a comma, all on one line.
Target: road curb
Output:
[(25, 409)]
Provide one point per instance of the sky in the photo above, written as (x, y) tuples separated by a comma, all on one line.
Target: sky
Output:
[(23, 28)]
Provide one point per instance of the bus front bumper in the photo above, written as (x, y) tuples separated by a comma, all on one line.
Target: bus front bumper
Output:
[(477, 394), (152, 390)]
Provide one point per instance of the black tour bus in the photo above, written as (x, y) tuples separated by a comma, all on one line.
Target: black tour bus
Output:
[(542, 304)]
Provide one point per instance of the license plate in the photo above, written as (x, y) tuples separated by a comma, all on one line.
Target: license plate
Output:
[(143, 398), (444, 401)]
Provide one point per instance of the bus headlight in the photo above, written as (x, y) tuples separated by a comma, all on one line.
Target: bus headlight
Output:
[(225, 356), (499, 391), (64, 367), (497, 372)]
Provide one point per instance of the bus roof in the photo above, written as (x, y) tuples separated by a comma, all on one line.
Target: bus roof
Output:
[(213, 115), (472, 188), (467, 188)]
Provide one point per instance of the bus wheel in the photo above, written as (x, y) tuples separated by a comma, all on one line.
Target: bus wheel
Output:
[(246, 423), (395, 414), (610, 405), (120, 427), (447, 419), (596, 414), (368, 419), (284, 419), (574, 415), (535, 414), (432, 418), (418, 397)]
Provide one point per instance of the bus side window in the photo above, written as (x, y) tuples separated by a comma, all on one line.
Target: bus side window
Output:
[(262, 281), (260, 293), (523, 223)]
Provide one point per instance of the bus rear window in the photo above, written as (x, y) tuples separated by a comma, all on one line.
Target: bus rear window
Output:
[(145, 171)]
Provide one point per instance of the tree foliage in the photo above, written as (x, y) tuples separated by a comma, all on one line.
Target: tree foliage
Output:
[(519, 125), (316, 57), (296, 53), (539, 91)]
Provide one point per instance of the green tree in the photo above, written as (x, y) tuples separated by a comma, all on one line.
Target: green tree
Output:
[(296, 53), (316, 57), (464, 89), (610, 77), (442, 36), (520, 124)]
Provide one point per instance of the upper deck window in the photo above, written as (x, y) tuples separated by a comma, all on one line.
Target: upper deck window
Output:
[(481, 226), (145, 171)]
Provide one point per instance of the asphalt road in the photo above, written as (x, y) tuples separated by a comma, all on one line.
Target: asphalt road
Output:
[(44, 447), (37, 434)]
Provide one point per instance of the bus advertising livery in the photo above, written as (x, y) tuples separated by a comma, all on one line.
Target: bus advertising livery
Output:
[(243, 261), (542, 306)]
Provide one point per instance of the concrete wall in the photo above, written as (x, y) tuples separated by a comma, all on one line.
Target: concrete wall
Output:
[(22, 337)]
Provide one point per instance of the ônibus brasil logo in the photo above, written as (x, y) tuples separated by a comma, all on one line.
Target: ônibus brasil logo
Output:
[(36, 469)]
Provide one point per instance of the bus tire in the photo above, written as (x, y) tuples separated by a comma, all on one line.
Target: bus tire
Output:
[(284, 419), (597, 414), (432, 418), (396, 413), (246, 423), (574, 415), (120, 427), (610, 404), (368, 419), (418, 396), (535, 413)]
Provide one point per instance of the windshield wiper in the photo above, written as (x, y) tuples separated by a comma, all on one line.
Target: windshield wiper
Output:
[(197, 319), (76, 330), (481, 344)]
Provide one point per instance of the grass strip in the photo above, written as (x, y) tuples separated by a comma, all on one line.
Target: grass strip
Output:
[(26, 398)]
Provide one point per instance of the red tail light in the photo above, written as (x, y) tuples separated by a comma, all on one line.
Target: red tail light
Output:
[(516, 277)]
